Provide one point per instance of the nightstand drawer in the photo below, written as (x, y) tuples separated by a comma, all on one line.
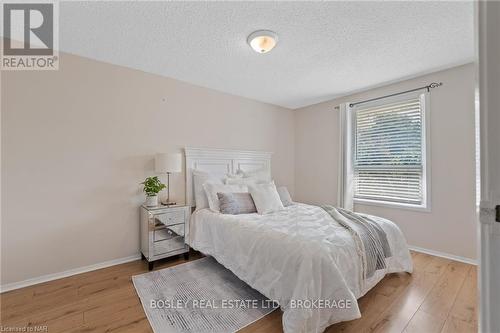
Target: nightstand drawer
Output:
[(170, 218), (168, 232), (168, 245)]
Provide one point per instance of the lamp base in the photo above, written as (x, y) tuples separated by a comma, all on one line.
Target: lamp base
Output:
[(168, 202)]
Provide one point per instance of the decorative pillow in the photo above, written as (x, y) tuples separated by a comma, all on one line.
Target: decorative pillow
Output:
[(211, 190), (266, 198), (285, 197), (236, 203), (200, 178)]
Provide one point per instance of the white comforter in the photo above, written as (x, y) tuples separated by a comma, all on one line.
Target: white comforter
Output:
[(300, 253)]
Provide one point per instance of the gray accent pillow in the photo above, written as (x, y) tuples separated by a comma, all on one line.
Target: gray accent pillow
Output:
[(236, 203), (285, 197)]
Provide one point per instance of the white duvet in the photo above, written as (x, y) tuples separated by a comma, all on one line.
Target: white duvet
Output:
[(296, 254)]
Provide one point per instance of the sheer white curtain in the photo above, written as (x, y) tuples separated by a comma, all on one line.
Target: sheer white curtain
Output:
[(345, 196)]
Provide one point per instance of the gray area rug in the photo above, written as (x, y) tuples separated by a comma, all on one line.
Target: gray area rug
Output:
[(197, 297)]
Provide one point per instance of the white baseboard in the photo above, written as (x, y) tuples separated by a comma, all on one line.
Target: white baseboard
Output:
[(60, 275), (443, 255), (55, 276)]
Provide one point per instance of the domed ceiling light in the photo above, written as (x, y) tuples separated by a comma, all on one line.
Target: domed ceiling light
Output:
[(262, 41)]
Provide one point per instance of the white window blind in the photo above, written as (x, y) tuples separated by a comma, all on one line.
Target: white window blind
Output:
[(389, 152)]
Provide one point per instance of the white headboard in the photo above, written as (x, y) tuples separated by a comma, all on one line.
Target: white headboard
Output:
[(221, 162)]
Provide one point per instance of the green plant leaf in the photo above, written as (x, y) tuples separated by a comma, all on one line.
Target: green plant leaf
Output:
[(152, 185)]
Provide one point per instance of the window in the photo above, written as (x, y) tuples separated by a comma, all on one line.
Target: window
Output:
[(389, 161)]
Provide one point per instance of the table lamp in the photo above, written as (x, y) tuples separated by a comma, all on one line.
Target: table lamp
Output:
[(168, 163)]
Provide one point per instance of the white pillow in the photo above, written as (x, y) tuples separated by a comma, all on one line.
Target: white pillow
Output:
[(240, 180), (211, 190), (234, 175), (266, 198), (260, 175), (200, 178), (285, 197)]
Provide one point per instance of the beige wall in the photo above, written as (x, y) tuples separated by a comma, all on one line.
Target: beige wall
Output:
[(77, 142), (450, 227)]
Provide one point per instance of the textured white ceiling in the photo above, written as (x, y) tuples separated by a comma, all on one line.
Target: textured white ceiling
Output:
[(325, 49)]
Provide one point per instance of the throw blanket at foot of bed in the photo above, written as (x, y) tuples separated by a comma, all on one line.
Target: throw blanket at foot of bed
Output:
[(371, 240)]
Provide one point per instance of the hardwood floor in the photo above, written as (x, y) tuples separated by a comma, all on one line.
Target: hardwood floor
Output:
[(440, 296)]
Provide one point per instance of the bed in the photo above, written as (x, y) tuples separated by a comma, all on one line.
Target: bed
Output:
[(300, 256)]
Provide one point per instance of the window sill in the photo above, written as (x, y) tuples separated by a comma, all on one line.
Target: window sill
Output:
[(389, 204)]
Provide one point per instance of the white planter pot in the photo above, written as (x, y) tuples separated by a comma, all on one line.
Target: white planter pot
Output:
[(152, 201)]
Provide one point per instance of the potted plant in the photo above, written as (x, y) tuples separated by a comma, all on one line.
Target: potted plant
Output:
[(152, 185)]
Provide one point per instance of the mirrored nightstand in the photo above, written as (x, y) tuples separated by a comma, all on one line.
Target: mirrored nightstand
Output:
[(164, 230)]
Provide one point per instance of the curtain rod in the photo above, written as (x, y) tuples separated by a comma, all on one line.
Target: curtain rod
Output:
[(428, 88)]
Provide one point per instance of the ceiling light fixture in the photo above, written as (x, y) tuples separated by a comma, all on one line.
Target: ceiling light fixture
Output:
[(262, 41)]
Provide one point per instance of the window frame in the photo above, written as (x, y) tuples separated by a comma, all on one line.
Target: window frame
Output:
[(425, 206)]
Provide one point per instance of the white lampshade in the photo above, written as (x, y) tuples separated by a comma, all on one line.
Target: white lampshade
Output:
[(171, 162)]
